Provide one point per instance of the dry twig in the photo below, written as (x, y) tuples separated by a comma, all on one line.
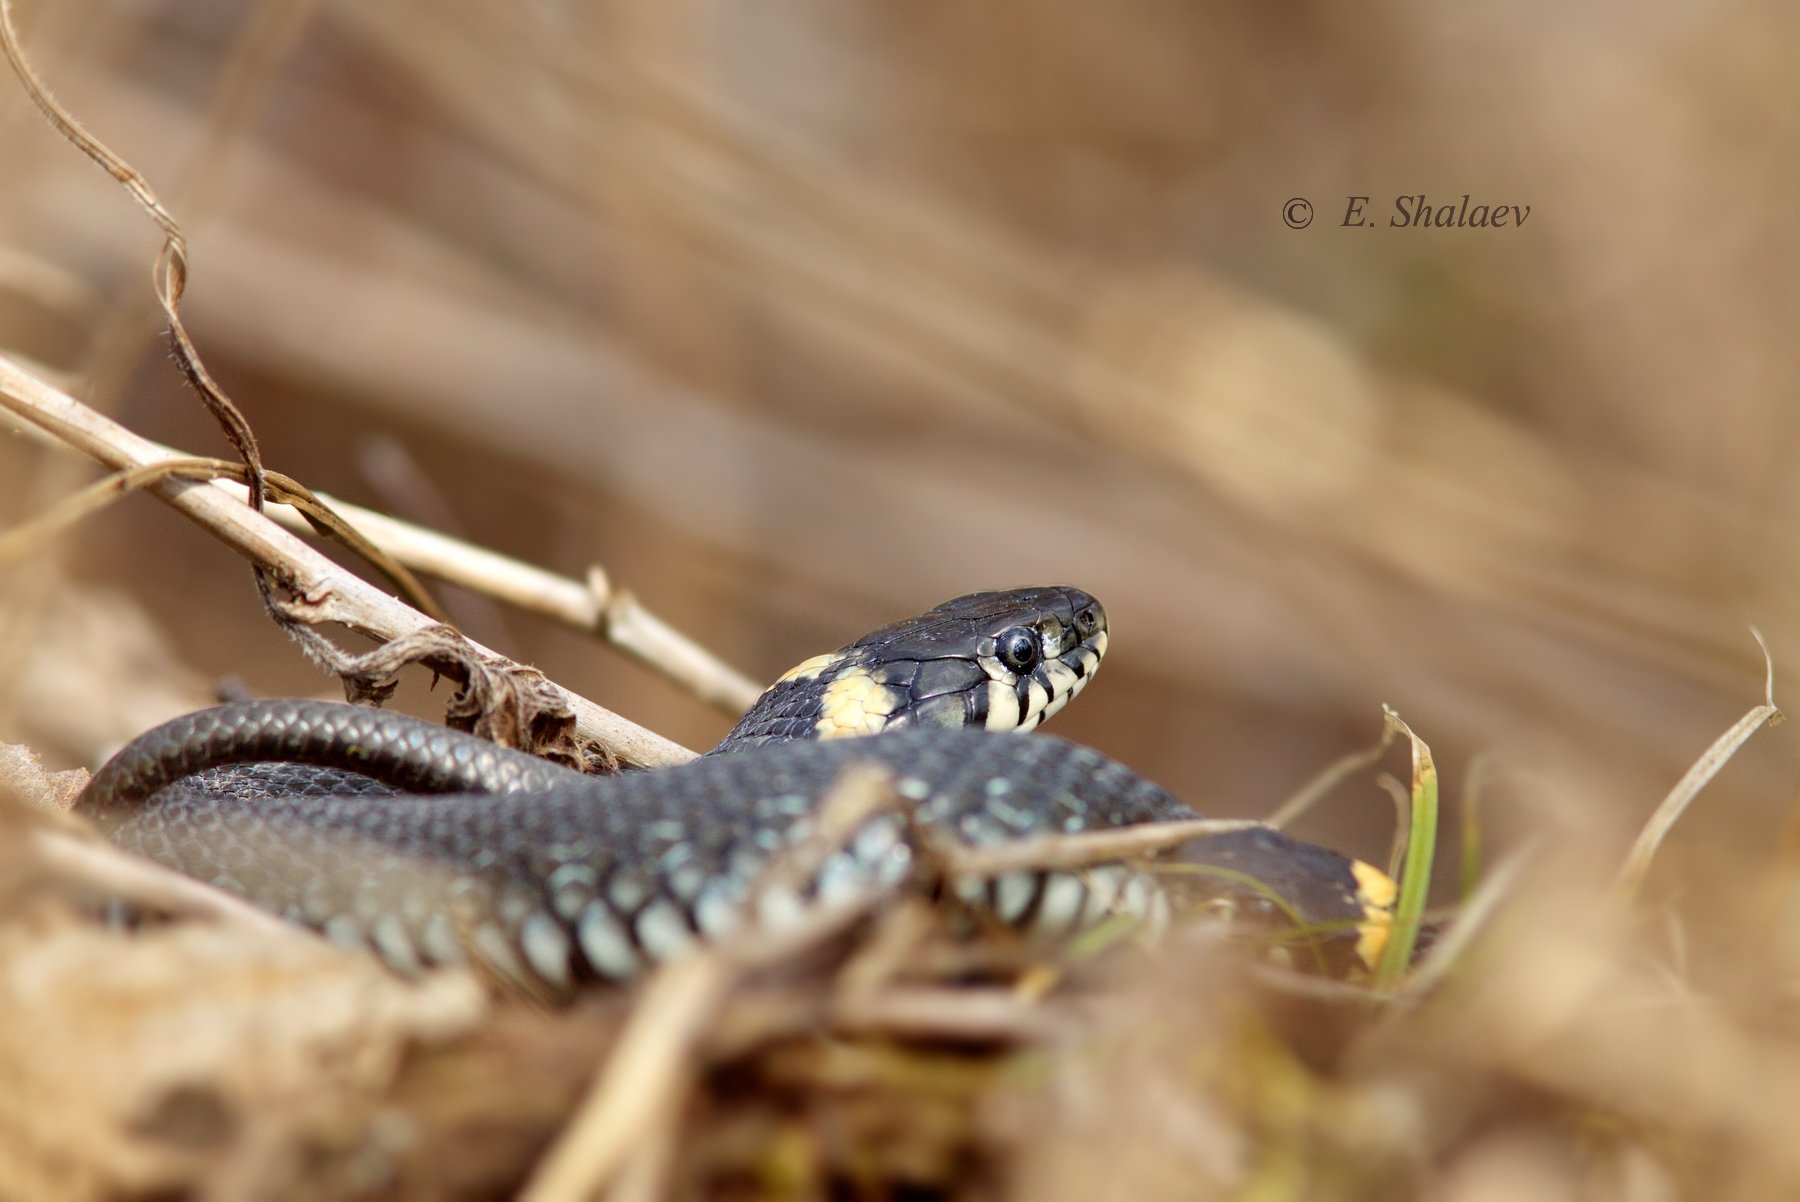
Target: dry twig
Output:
[(618, 1133), (593, 608), (322, 591), (1045, 853), (1334, 775), (1643, 851), (142, 883), (171, 263)]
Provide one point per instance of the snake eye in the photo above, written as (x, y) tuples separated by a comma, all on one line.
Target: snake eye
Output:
[(1017, 648)]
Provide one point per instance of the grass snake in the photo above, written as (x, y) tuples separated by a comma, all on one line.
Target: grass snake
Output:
[(433, 847)]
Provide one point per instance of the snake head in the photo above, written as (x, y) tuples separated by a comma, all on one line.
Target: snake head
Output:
[(1003, 660)]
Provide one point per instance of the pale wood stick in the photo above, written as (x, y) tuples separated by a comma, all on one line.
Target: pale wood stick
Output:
[(1048, 852), (324, 591), (594, 607)]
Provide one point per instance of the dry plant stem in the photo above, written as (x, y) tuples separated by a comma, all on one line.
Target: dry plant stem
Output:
[(324, 591), (672, 1028), (594, 607), (171, 263), (170, 279), (650, 1169), (894, 946), (1471, 917), (1050, 852), (934, 1013), (251, 72), (639, 631), (1402, 800), (908, 1012), (1334, 775), (633, 629), (646, 1078), (1284, 981), (116, 874), (1470, 870), (37, 533), (860, 792), (1643, 851), (613, 1141)]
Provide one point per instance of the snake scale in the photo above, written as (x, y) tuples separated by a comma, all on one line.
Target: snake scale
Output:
[(433, 847)]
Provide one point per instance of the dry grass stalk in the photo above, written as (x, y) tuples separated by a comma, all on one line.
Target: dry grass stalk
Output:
[(171, 263), (1320, 786), (1050, 852), (625, 742), (1549, 1051), (624, 1128), (635, 1100), (146, 886), (594, 607), (323, 591), (1715, 757)]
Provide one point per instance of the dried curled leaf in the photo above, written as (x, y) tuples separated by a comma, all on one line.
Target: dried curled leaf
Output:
[(511, 704)]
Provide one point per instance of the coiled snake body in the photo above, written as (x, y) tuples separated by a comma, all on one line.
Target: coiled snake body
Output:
[(430, 847)]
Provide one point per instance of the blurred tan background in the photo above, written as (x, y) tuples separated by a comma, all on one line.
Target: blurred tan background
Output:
[(800, 318)]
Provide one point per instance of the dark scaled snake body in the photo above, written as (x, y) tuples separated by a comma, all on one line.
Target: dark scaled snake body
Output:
[(432, 847)]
